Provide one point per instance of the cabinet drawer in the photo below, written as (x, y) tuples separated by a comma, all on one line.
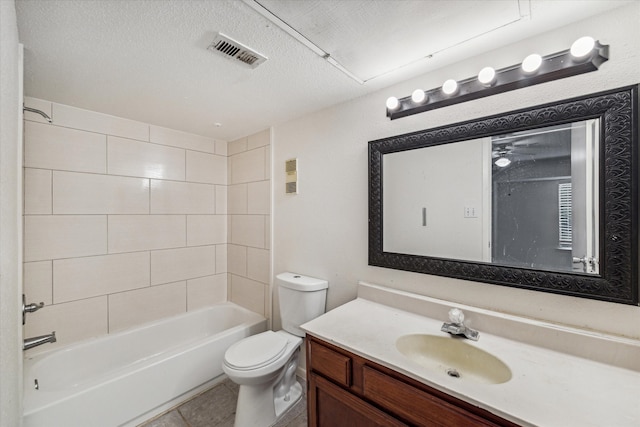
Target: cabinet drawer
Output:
[(333, 365), (414, 405)]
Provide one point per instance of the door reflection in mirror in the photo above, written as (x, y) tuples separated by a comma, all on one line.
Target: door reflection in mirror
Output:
[(527, 199)]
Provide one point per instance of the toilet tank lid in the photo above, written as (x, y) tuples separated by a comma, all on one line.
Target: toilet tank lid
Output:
[(302, 283)]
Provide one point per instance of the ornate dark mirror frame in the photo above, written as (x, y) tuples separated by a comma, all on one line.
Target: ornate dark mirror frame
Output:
[(618, 278)]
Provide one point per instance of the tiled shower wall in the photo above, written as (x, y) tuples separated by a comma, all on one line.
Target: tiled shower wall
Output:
[(125, 223), (249, 209)]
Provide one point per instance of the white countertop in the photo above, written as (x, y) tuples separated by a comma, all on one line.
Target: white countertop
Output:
[(547, 388)]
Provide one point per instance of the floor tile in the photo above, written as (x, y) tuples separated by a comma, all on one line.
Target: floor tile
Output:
[(216, 408), (170, 419), (209, 408)]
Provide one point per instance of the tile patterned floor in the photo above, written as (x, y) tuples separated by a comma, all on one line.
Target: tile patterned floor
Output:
[(217, 408)]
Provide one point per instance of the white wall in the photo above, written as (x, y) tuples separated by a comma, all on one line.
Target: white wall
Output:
[(10, 336), (322, 231)]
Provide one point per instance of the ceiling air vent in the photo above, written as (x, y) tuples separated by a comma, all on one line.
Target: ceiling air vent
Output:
[(232, 49)]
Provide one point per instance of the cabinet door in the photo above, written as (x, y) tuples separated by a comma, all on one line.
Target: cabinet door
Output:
[(332, 406)]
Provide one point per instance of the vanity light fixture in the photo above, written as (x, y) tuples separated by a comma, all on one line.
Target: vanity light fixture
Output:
[(418, 96), (582, 47), (531, 63), (392, 103), (487, 76), (585, 55), (450, 87)]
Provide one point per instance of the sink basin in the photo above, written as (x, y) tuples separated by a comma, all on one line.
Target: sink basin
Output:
[(455, 357)]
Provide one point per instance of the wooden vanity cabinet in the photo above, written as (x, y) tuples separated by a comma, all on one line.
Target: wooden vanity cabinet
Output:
[(344, 389)]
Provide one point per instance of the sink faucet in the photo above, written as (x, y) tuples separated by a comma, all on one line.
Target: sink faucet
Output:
[(457, 326), (36, 341)]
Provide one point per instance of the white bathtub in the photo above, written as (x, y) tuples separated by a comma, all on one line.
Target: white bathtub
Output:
[(127, 377)]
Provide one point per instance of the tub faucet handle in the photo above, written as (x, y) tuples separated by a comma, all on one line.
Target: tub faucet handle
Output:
[(29, 308)]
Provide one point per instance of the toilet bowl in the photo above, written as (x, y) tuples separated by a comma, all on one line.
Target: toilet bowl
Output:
[(265, 365)]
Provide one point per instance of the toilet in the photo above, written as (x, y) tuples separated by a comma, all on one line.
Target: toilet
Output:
[(264, 365)]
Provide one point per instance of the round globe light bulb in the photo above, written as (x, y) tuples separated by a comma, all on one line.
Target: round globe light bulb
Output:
[(392, 103), (450, 87), (418, 96), (582, 47), (487, 76), (531, 63), (502, 162)]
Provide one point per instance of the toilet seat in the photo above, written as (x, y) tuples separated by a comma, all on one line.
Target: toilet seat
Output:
[(256, 351)]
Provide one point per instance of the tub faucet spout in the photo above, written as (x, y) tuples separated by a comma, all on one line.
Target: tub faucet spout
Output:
[(36, 341), (457, 326)]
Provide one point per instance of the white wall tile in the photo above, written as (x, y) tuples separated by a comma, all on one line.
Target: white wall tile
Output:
[(79, 278), (221, 199), (259, 265), (221, 258), (267, 232), (38, 282), (237, 199), (64, 236), (37, 191), (259, 139), (78, 118), (53, 147), (128, 233), (72, 321), (267, 162), (132, 308), (259, 197), (221, 148), (175, 138), (248, 230), (248, 166), (206, 291), (207, 168), (83, 193), (134, 158), (172, 197), (248, 293), (38, 104), (171, 265), (237, 260), (237, 146), (206, 229)]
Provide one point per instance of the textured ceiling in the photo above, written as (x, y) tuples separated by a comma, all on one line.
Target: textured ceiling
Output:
[(147, 60)]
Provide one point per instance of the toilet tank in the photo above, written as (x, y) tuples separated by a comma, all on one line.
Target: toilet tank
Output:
[(301, 298)]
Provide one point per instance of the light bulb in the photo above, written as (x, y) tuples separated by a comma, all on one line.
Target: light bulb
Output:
[(392, 103), (487, 76), (582, 47), (418, 96), (502, 162), (531, 63), (450, 87)]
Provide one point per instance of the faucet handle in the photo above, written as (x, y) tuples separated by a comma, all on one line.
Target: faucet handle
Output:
[(456, 316), (29, 308)]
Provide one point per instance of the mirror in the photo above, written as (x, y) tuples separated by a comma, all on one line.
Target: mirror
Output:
[(523, 199), (542, 199)]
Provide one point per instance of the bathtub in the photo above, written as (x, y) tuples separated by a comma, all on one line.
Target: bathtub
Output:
[(125, 378)]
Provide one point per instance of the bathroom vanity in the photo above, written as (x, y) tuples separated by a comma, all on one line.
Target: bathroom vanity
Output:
[(381, 360), (348, 390)]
